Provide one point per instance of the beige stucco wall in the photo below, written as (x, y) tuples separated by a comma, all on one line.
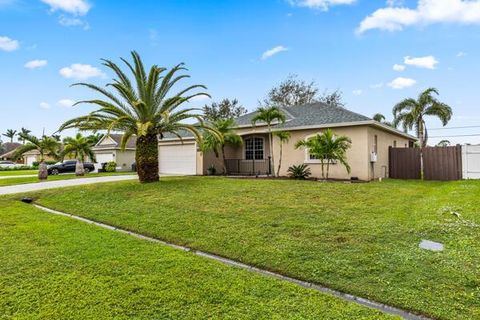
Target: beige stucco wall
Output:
[(385, 140), (357, 155), (125, 159)]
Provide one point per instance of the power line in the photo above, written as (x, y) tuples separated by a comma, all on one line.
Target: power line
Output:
[(458, 135), (465, 127)]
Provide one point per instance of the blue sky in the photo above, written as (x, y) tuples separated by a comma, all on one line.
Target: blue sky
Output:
[(240, 49)]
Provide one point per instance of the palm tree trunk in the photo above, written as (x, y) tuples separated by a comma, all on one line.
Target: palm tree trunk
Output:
[(79, 169), (224, 160), (328, 167), (280, 159), (42, 169), (146, 157), (271, 150), (422, 145), (323, 169)]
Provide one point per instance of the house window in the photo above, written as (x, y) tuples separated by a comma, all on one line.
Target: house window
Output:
[(394, 143), (254, 148), (375, 144)]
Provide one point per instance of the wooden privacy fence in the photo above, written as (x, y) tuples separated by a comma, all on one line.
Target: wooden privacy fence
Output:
[(439, 163)]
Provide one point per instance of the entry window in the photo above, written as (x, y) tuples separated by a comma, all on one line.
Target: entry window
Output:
[(254, 149)]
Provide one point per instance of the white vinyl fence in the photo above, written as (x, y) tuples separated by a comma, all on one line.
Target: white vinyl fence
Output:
[(471, 162)]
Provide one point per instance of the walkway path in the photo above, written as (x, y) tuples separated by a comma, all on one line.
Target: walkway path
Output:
[(19, 176), (61, 183)]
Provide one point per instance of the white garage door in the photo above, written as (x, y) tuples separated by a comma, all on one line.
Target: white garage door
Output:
[(178, 159), (104, 157)]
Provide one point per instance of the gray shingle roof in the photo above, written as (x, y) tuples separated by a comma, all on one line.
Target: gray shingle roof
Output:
[(310, 115)]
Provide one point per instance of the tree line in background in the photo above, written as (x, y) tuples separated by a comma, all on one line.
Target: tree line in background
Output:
[(142, 105)]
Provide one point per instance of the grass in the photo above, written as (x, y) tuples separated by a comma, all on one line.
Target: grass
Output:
[(57, 268), (17, 172), (24, 180), (357, 238)]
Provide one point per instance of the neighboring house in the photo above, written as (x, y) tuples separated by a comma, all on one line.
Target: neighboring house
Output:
[(32, 156), (368, 136), (108, 149), (9, 150)]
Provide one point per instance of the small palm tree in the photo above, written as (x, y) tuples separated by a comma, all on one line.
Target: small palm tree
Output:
[(269, 115), (46, 146), (327, 148), (283, 137), (80, 148), (10, 134), (411, 113), (226, 135), (23, 132), (143, 108), (443, 143), (381, 118)]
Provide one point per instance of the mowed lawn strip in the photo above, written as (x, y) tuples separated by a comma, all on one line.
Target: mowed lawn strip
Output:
[(24, 180), (358, 238), (59, 268), (17, 172)]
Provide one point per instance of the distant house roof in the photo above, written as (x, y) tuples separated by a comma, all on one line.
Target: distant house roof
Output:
[(311, 116), (9, 149), (115, 142)]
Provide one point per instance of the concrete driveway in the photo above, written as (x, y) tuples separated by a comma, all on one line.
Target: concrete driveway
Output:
[(61, 183)]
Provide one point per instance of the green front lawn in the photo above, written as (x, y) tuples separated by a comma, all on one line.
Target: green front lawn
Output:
[(17, 172), (23, 180), (358, 238), (57, 268)]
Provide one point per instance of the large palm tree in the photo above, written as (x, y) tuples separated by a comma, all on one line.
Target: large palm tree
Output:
[(268, 116), (80, 148), (283, 137), (226, 135), (143, 107), (327, 148), (46, 146), (411, 113), (23, 132), (10, 133)]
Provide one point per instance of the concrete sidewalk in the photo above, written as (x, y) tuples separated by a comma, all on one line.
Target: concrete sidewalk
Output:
[(21, 188), (19, 176)]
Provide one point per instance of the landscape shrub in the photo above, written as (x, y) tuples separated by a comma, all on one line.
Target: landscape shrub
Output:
[(111, 166), (300, 172)]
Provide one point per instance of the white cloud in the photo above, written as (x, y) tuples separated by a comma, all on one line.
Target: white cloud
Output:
[(376, 85), (73, 22), (75, 7), (44, 105), (401, 83), (270, 53), (428, 62), (427, 12), (66, 103), (34, 64), (81, 72), (398, 67), (461, 54), (7, 44), (357, 92), (320, 4)]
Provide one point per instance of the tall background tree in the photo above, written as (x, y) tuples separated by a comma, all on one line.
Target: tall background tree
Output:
[(23, 132), (269, 115), (411, 113), (382, 119), (294, 92), (145, 107), (217, 142), (225, 109), (46, 146), (291, 92), (80, 148), (10, 133), (327, 147)]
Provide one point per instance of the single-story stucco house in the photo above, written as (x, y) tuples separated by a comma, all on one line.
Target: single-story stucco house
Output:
[(368, 155), (108, 149)]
